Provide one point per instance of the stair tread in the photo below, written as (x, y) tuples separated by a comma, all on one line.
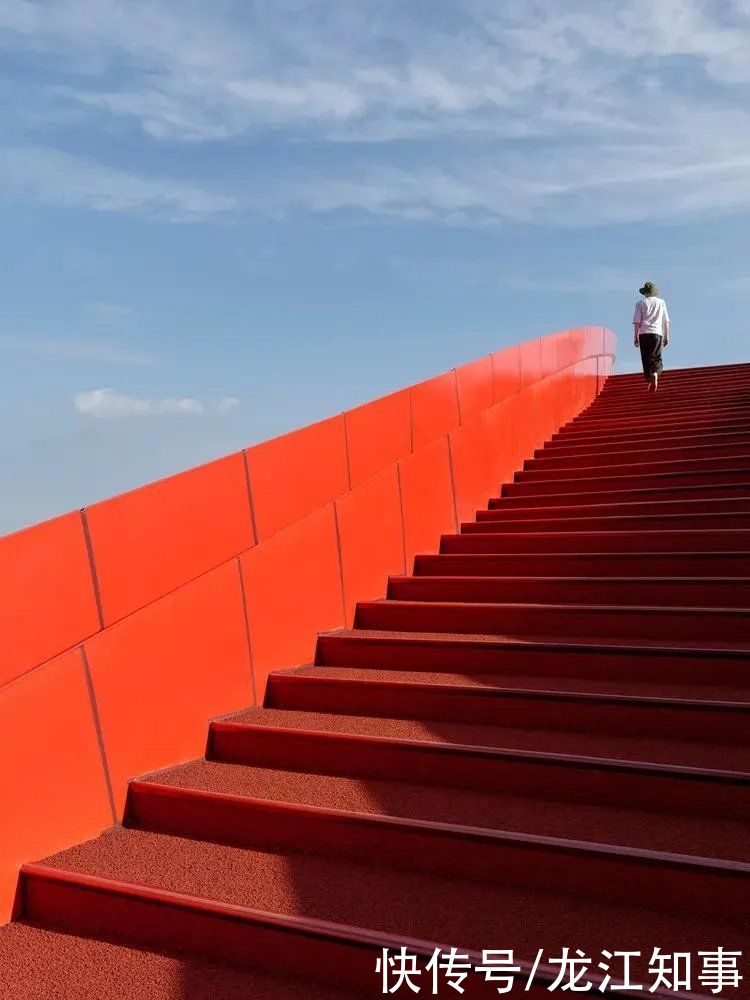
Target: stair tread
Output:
[(656, 466), (531, 683), (611, 522), (661, 508), (721, 490), (697, 477), (647, 534), (435, 907), (625, 748), (530, 578), (36, 964), (697, 627), (530, 558), (555, 817), (584, 512), (553, 641), (618, 591), (570, 606)]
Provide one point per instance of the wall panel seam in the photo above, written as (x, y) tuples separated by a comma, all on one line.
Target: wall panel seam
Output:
[(250, 503), (92, 567), (453, 483), (401, 508), (99, 731), (346, 450), (340, 558), (411, 421), (251, 661)]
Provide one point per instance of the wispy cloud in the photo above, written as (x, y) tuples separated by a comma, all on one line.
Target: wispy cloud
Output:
[(107, 404), (75, 349), (226, 404), (580, 113), (195, 73), (57, 178), (623, 183)]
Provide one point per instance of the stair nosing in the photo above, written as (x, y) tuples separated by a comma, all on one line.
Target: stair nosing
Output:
[(282, 679), (535, 757), (648, 532), (681, 554), (627, 609), (476, 834), (358, 938), (638, 475), (637, 491), (531, 644), (518, 578)]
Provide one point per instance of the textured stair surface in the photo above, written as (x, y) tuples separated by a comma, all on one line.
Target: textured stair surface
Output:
[(539, 739)]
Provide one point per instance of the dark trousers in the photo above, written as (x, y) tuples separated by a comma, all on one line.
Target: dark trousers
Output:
[(650, 345)]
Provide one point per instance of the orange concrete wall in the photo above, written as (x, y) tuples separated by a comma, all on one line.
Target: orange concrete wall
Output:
[(126, 626)]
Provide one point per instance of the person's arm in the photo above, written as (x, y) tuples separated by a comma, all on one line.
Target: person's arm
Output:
[(636, 327), (636, 322), (665, 326)]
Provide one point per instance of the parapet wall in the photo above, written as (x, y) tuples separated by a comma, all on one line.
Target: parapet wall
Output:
[(124, 627)]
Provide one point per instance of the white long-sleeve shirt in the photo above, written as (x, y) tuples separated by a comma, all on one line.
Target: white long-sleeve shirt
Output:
[(651, 315)]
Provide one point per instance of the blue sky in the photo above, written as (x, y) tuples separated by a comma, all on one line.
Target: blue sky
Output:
[(219, 221)]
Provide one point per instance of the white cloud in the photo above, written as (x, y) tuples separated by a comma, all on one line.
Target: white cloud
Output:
[(227, 404), (76, 349), (110, 405), (587, 112), (198, 75), (622, 183), (58, 178)]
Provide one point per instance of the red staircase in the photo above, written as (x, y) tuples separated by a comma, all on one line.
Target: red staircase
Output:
[(539, 740)]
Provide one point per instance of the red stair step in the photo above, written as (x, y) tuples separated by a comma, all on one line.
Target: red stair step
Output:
[(715, 592), (633, 748), (502, 857), (633, 522), (669, 402), (603, 564), (703, 432), (699, 627), (706, 688), (644, 465), (614, 483), (40, 964), (659, 508), (154, 918), (689, 720), (293, 887), (623, 453), (623, 494), (684, 540), (550, 657), (697, 373), (666, 416), (464, 782)]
